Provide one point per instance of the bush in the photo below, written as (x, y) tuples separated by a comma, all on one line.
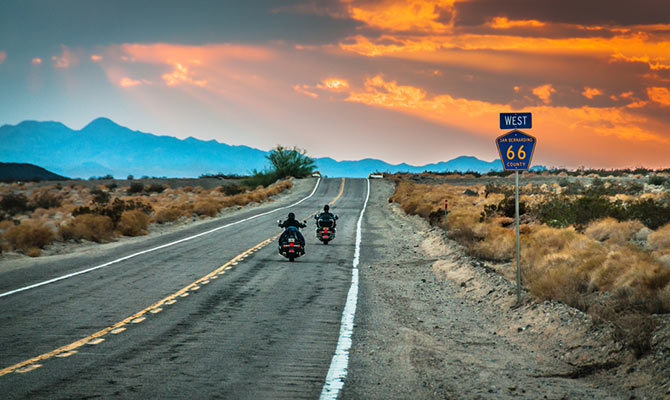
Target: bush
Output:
[(100, 196), (290, 162), (260, 178), (206, 207), (660, 239), (96, 228), (133, 223), (15, 203), (169, 214), (114, 210), (46, 199), (230, 189), (136, 187), (657, 180), (29, 235), (653, 214), (155, 188), (613, 230)]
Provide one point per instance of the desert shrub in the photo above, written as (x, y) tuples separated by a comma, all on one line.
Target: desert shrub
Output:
[(114, 210), (556, 212), (260, 178), (112, 186), (15, 203), (206, 207), (589, 208), (96, 228), (46, 199), (496, 243), (660, 239), (136, 188), (100, 196), (290, 162), (505, 208), (611, 229), (230, 189), (133, 223), (29, 235), (656, 180), (169, 214), (650, 212), (155, 188)]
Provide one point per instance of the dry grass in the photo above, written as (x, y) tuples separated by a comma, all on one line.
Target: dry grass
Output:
[(609, 271), (52, 207), (133, 223), (660, 239), (609, 229), (169, 214), (206, 207), (95, 228), (29, 235)]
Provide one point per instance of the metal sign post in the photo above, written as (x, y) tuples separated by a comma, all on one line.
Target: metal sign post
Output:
[(516, 152), (446, 205)]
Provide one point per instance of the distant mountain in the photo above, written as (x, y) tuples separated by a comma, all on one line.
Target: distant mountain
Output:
[(26, 172), (105, 148)]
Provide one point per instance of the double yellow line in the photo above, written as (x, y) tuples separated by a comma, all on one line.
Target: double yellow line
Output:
[(96, 338)]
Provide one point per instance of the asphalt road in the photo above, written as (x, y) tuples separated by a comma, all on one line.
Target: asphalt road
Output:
[(218, 316)]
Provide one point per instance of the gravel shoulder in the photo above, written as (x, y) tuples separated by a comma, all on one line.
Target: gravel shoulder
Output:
[(434, 323)]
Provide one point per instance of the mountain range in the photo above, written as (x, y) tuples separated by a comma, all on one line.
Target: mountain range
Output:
[(105, 148)]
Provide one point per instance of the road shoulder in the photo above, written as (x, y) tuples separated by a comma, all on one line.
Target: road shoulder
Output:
[(430, 324)]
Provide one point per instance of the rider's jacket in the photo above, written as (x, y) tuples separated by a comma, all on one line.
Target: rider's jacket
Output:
[(292, 222), (326, 215)]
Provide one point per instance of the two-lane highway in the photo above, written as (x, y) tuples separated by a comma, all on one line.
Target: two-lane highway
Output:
[(219, 315)]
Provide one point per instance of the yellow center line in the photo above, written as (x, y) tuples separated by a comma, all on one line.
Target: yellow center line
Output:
[(139, 316)]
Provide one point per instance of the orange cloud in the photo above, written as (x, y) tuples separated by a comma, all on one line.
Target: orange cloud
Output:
[(66, 59), (304, 89), (590, 93), (96, 58), (36, 61), (334, 84), (405, 15), (504, 23), (3, 56), (544, 92), (554, 125), (128, 82), (660, 95), (181, 74)]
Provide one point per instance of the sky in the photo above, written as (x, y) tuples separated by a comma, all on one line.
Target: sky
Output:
[(403, 81)]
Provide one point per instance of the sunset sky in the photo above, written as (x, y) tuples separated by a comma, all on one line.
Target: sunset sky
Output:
[(403, 81)]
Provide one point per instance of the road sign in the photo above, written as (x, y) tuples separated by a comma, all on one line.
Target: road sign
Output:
[(516, 150), (516, 120)]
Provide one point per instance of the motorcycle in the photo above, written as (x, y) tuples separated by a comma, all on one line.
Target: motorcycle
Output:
[(289, 242), (325, 228)]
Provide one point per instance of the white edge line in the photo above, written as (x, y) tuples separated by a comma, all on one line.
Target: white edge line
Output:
[(337, 372), (60, 278)]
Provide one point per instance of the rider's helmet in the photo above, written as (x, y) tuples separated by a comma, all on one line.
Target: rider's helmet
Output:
[(291, 216), (326, 208)]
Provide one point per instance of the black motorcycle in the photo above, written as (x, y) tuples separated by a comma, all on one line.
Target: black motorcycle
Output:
[(325, 228), (290, 245)]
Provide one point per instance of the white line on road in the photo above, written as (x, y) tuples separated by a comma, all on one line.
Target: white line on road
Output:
[(337, 372), (60, 278)]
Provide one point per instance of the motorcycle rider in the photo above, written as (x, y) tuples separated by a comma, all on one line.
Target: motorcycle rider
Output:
[(326, 214), (291, 221)]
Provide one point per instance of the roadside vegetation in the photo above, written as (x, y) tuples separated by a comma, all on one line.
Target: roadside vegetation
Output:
[(284, 163), (600, 245), (33, 216)]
